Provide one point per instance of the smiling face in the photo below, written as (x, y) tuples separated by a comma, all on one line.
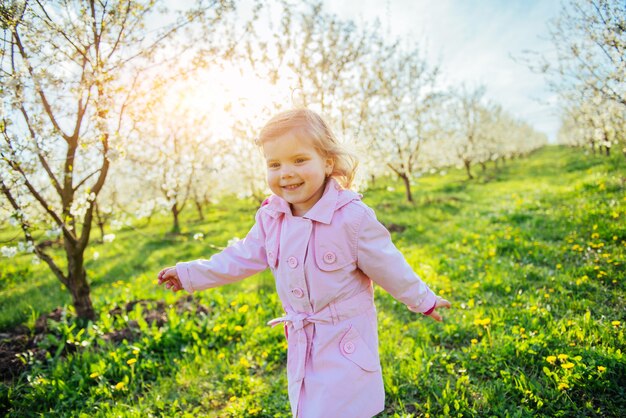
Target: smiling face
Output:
[(296, 171)]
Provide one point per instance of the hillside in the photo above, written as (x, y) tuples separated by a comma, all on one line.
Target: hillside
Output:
[(530, 254)]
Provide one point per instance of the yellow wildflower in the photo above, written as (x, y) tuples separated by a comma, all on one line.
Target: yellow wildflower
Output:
[(474, 341), (567, 365), (563, 357), (563, 386), (94, 375), (233, 398), (238, 328), (601, 369), (616, 323), (221, 356), (551, 359), (120, 386), (243, 309), (131, 361)]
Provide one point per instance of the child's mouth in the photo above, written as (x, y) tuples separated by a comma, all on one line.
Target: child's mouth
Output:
[(293, 186)]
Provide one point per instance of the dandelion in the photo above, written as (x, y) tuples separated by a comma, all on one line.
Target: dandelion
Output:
[(474, 341), (216, 328), (238, 328), (264, 354), (595, 235), (492, 252), (244, 362), (131, 361), (563, 386), (243, 309), (563, 357), (558, 266), (233, 303), (483, 322), (233, 399), (567, 365), (94, 375), (551, 359), (220, 356), (120, 386), (601, 369), (616, 323)]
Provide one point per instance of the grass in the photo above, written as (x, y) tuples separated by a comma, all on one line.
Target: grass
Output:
[(531, 255)]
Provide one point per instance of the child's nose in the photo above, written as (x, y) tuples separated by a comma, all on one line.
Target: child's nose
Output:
[(286, 171)]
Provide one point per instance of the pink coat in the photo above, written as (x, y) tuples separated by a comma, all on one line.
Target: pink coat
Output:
[(324, 263)]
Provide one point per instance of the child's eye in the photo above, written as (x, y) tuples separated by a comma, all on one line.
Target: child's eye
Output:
[(300, 160), (273, 165)]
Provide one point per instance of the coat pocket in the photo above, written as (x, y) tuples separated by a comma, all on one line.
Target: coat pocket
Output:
[(329, 257), (355, 349)]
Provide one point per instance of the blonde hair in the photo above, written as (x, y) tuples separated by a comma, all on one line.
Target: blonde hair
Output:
[(306, 124)]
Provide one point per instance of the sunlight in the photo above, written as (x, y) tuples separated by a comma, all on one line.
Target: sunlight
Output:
[(220, 98)]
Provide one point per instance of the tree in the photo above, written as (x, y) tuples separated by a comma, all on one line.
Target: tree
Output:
[(69, 70), (590, 41), (402, 114)]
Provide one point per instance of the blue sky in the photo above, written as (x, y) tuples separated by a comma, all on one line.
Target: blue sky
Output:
[(474, 42)]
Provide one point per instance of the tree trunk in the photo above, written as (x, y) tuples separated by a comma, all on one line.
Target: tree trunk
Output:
[(77, 283), (407, 187), (199, 209), (468, 169), (175, 213), (607, 151), (483, 166)]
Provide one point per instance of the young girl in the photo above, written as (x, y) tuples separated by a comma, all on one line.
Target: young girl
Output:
[(325, 247)]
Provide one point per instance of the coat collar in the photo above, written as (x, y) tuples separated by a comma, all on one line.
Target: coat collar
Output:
[(334, 197)]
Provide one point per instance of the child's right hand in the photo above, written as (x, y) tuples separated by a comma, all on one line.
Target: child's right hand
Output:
[(169, 277), (439, 303)]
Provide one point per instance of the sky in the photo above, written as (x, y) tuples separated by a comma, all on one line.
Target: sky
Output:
[(475, 42)]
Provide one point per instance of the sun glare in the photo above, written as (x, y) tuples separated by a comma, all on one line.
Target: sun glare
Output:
[(220, 98)]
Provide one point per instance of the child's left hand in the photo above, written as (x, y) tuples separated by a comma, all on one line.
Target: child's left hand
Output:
[(440, 303), (169, 277)]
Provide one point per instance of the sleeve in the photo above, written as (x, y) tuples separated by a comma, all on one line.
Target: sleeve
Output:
[(234, 263), (382, 262)]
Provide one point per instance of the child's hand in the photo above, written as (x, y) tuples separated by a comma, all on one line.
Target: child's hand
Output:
[(440, 303), (169, 276)]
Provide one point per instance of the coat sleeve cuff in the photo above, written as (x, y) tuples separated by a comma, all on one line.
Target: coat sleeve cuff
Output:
[(426, 304), (183, 274)]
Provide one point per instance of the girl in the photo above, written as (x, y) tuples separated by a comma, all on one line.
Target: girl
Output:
[(324, 246)]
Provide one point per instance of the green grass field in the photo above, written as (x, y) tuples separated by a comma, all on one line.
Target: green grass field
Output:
[(531, 255)]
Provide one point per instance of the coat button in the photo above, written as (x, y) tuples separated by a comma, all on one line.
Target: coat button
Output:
[(330, 257), (297, 292), (292, 262), (349, 347), (270, 254)]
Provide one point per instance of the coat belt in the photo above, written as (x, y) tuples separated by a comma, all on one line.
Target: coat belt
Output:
[(331, 314)]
